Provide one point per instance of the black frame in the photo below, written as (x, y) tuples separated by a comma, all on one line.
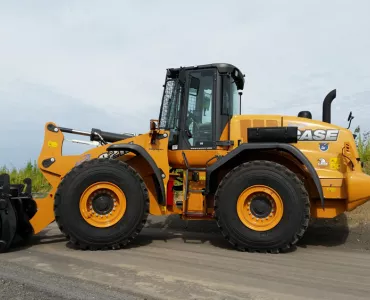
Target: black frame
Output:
[(221, 72)]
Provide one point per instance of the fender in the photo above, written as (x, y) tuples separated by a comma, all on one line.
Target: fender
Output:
[(140, 151), (266, 146)]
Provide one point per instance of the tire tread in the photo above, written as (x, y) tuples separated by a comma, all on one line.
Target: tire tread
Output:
[(304, 195), (85, 246)]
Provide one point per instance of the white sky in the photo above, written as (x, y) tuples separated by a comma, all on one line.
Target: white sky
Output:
[(108, 58)]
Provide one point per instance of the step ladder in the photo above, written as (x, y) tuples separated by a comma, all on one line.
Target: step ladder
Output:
[(187, 191)]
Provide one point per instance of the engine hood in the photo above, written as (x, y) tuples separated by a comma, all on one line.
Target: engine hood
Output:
[(314, 130)]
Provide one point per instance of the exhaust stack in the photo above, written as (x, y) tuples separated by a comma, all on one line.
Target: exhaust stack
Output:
[(326, 107)]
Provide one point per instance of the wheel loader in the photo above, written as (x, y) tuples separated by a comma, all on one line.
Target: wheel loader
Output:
[(260, 177)]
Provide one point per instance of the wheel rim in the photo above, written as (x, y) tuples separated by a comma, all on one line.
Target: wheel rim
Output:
[(102, 204), (260, 208)]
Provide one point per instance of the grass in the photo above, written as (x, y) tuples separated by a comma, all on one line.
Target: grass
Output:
[(40, 185), (363, 147)]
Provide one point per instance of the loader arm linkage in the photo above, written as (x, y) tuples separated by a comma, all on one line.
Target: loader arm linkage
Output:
[(55, 166), (22, 215)]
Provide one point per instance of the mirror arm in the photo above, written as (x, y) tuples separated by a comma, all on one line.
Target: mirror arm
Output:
[(240, 101)]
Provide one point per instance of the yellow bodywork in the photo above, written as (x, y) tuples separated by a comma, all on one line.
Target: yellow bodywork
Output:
[(52, 148), (344, 184)]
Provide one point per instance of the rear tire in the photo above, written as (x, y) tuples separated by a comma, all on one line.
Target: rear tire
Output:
[(78, 228), (276, 199)]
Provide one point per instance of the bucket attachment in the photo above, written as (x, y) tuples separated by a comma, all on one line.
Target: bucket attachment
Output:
[(17, 207)]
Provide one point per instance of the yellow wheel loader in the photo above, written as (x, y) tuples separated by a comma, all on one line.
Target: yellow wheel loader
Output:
[(261, 177)]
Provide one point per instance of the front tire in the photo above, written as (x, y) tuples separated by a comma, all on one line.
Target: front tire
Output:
[(262, 206), (101, 204)]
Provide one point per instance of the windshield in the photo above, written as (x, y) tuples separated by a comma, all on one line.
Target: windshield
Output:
[(231, 98), (235, 99)]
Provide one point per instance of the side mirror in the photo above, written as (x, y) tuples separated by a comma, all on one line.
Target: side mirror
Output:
[(350, 118)]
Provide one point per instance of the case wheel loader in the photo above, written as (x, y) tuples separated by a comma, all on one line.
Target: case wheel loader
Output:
[(261, 177)]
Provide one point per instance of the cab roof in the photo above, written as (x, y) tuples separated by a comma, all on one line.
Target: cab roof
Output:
[(223, 68)]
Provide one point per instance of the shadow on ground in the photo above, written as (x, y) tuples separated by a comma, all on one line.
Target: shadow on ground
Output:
[(191, 232), (321, 232), (51, 235), (44, 237), (327, 233)]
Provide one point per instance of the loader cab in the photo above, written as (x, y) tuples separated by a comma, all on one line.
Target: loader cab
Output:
[(197, 104)]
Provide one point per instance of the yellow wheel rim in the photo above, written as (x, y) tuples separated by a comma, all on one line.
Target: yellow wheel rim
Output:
[(260, 208), (102, 204)]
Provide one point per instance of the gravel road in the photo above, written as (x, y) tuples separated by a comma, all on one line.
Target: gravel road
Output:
[(170, 261)]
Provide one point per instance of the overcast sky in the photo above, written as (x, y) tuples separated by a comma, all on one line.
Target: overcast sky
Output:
[(100, 57)]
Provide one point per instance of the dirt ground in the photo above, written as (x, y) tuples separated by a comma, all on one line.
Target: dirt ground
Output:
[(176, 259), (351, 229)]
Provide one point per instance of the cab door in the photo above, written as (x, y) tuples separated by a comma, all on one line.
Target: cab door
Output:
[(198, 117)]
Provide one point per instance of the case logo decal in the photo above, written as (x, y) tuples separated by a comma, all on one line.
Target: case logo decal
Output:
[(318, 135)]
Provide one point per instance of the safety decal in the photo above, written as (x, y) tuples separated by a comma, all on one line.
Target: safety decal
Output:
[(335, 163), (321, 162), (52, 144), (318, 135), (324, 147)]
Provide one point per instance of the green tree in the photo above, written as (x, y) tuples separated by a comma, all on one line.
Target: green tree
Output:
[(363, 146)]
